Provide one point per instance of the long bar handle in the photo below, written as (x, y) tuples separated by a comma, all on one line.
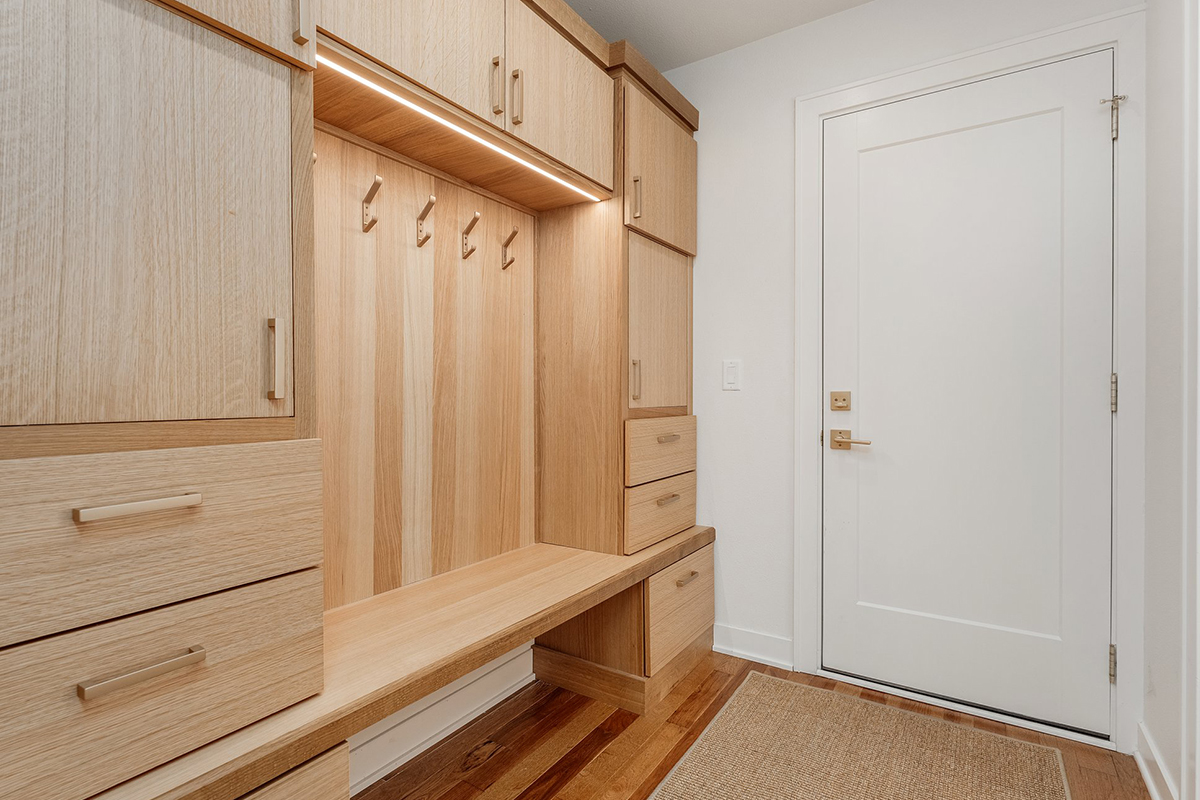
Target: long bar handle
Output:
[(637, 196), (668, 438), (497, 85), (140, 507), (518, 113), (637, 379), (844, 440), (304, 23), (90, 690), (276, 390), (671, 498), (682, 582)]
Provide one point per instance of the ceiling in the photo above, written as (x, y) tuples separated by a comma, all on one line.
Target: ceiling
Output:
[(672, 33)]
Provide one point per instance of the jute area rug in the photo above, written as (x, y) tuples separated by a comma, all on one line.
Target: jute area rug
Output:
[(778, 740)]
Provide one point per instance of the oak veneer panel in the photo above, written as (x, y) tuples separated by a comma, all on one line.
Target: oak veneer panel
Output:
[(676, 614), (657, 448), (656, 510), (263, 645), (260, 517), (446, 46), (568, 22), (140, 287), (623, 54), (386, 652), (660, 330), (37, 441), (270, 24), (563, 102), (611, 634), (661, 156), (326, 777)]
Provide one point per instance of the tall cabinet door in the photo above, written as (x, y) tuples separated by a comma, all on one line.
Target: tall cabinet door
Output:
[(660, 173), (560, 101), (452, 47), (660, 325), (145, 220)]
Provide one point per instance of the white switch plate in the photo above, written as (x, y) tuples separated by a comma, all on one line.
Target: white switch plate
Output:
[(731, 375)]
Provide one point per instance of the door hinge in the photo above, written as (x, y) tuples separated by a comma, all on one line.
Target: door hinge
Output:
[(1115, 102), (822, 437), (1112, 392), (1112, 663)]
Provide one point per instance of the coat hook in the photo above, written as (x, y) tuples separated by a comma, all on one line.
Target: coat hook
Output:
[(369, 216), (422, 236), (505, 261), (469, 248)]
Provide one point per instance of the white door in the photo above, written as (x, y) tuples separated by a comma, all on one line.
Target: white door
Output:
[(968, 311)]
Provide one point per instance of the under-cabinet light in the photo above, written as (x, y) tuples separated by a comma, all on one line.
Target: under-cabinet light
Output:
[(447, 123)]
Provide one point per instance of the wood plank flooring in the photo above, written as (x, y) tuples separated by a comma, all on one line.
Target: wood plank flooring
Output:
[(545, 742)]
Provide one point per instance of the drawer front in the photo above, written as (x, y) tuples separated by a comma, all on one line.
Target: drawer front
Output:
[(284, 27), (657, 448), (258, 516), (679, 607), (261, 652), (326, 777), (657, 510)]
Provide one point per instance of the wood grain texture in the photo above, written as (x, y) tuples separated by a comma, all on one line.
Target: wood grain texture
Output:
[(663, 156), (260, 517), (648, 459), (656, 510), (142, 290), (563, 99), (269, 24), (326, 777), (446, 46), (346, 104), (567, 21), (37, 441), (581, 312), (676, 615), (263, 645), (304, 355), (386, 652), (660, 303), (612, 634), (623, 55)]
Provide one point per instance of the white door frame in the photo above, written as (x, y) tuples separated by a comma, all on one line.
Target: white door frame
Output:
[(1124, 32)]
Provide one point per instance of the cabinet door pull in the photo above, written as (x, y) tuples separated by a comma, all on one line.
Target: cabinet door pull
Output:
[(668, 438), (90, 690), (276, 391), (671, 498), (304, 22), (497, 85), (637, 379), (140, 507), (518, 113), (682, 582), (637, 196)]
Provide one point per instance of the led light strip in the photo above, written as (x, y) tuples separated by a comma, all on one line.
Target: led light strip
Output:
[(447, 123)]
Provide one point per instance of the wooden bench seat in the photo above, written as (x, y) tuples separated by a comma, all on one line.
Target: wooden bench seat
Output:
[(383, 653)]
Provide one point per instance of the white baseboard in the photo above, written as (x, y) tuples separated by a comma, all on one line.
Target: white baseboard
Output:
[(392, 742), (774, 651), (1149, 762)]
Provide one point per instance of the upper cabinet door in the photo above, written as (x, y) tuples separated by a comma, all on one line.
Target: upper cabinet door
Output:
[(285, 27), (454, 48), (560, 101), (660, 326), (660, 173), (145, 218)]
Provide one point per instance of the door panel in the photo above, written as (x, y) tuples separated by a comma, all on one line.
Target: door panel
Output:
[(272, 24), (660, 173), (660, 294), (968, 310)]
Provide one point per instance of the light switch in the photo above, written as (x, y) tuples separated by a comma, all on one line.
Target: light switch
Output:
[(731, 375)]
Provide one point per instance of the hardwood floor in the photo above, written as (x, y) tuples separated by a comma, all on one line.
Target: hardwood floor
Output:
[(545, 742)]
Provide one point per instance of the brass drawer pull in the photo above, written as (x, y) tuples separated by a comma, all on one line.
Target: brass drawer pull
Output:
[(518, 109), (671, 498), (637, 196), (637, 379), (90, 690), (140, 507), (497, 85), (304, 23), (670, 437), (682, 582), (276, 391)]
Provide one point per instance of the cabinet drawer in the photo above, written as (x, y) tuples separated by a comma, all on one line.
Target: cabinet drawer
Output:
[(261, 652), (258, 516), (326, 777), (284, 27), (657, 448), (657, 510), (679, 607)]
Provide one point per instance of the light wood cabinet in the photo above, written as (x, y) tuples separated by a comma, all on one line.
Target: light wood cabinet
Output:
[(660, 173), (326, 777), (284, 27), (560, 101), (146, 219), (656, 510), (658, 448), (660, 330), (679, 607), (454, 48)]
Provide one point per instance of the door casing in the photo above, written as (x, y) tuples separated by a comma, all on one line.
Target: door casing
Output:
[(1124, 32)]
